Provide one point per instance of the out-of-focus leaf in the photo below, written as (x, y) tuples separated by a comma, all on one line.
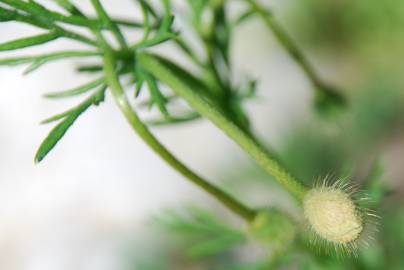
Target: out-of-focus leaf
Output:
[(15, 61), (329, 102), (217, 245), (243, 17), (89, 68), (376, 185), (39, 61), (77, 90), (205, 234)]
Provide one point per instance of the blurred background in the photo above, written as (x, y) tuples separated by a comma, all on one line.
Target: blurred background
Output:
[(103, 200)]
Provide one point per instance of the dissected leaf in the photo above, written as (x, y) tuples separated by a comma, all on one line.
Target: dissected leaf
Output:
[(37, 10), (244, 17), (69, 7), (139, 77), (156, 96), (113, 27), (206, 235), (77, 90), (15, 61), (198, 7), (376, 185), (149, 8), (190, 79), (41, 60), (174, 119), (28, 41), (69, 118), (216, 245), (329, 102), (89, 68), (6, 15)]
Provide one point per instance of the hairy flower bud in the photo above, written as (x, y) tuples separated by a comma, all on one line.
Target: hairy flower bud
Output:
[(335, 218), (333, 215)]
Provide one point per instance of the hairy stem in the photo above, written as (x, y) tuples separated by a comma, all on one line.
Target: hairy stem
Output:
[(210, 111), (133, 119)]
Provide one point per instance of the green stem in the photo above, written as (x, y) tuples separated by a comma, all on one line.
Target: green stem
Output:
[(210, 111), (133, 119), (289, 45), (111, 25), (72, 35)]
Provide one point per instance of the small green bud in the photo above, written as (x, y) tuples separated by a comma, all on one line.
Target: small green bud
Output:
[(273, 228), (329, 102)]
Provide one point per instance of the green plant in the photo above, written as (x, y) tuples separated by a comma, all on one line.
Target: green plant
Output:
[(210, 93)]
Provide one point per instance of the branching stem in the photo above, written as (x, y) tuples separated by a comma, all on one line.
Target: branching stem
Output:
[(133, 119), (210, 111)]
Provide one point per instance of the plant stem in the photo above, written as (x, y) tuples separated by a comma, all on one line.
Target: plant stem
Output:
[(289, 45), (133, 119), (210, 111), (102, 14)]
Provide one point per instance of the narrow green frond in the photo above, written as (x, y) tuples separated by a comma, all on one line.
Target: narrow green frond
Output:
[(111, 25), (129, 23), (60, 130), (139, 78), (16, 61), (216, 246), (189, 78), (6, 15), (146, 20), (39, 61), (156, 40), (94, 99), (42, 12), (146, 103), (205, 233), (28, 41), (185, 118), (89, 68), (68, 6), (77, 90), (14, 15), (149, 8), (243, 17), (156, 96), (74, 10)]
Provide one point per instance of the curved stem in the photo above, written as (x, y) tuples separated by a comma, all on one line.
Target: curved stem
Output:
[(288, 44), (133, 119), (210, 111)]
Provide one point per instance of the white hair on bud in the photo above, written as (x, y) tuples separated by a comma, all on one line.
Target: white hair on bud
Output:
[(335, 218)]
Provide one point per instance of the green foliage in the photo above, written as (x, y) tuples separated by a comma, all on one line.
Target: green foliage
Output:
[(274, 228), (68, 118), (28, 42), (77, 90), (206, 234), (207, 83)]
